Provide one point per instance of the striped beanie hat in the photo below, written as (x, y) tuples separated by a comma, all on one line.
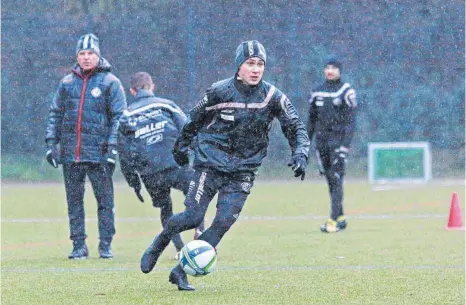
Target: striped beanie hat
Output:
[(248, 49), (88, 42)]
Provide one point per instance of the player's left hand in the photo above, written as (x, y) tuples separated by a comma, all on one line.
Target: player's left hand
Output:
[(53, 155), (298, 165), (110, 154)]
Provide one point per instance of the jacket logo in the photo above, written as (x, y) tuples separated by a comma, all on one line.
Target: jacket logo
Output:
[(227, 117), (154, 139), (337, 101), (150, 129), (96, 92), (192, 184), (319, 103), (200, 188)]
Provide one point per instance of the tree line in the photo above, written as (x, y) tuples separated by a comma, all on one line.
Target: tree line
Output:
[(405, 58)]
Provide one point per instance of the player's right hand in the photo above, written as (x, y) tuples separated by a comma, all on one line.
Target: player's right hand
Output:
[(138, 194)]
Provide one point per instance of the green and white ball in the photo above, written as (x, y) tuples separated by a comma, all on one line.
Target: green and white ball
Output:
[(198, 258)]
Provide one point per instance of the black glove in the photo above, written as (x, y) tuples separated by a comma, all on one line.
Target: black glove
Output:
[(110, 154), (182, 158), (298, 165), (137, 190), (135, 183), (53, 155)]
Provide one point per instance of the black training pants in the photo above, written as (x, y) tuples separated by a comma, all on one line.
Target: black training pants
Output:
[(233, 190), (159, 185), (100, 175), (334, 173)]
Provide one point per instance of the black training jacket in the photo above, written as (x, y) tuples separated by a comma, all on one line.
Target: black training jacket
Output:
[(332, 115), (228, 129)]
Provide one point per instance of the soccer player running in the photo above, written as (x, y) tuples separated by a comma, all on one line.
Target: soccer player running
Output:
[(148, 130), (228, 131), (332, 121)]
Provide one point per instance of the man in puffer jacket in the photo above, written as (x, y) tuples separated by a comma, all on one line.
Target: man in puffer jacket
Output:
[(81, 134), (148, 130)]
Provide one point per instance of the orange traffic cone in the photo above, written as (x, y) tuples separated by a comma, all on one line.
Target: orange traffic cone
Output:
[(455, 221)]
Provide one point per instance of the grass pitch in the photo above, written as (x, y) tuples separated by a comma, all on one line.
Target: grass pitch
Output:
[(395, 251)]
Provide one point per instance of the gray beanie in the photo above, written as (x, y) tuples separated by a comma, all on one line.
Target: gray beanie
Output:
[(88, 42), (248, 49)]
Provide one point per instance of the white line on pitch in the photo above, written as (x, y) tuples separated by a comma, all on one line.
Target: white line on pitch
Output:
[(241, 218), (252, 268)]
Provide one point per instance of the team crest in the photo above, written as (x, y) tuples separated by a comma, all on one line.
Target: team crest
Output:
[(68, 79), (96, 92), (337, 101)]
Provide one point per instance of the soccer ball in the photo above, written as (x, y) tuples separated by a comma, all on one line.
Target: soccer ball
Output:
[(198, 258)]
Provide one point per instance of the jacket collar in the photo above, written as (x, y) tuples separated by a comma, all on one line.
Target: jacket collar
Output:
[(142, 93), (102, 66), (333, 84), (245, 89)]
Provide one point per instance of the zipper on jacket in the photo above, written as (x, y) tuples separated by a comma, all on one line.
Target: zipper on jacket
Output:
[(80, 113)]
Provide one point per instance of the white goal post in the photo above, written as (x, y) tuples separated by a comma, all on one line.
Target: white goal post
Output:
[(399, 162)]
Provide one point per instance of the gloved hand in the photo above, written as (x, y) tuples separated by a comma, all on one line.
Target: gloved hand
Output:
[(298, 165), (340, 160), (182, 158), (137, 190), (53, 155), (110, 154), (135, 183)]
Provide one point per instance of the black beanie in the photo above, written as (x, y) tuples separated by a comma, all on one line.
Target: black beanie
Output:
[(334, 61), (248, 49)]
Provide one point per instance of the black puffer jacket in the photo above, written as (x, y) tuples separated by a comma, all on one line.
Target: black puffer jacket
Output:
[(231, 126), (84, 114)]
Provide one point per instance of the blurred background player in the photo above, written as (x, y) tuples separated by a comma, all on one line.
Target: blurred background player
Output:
[(228, 131), (81, 133), (148, 129), (332, 120)]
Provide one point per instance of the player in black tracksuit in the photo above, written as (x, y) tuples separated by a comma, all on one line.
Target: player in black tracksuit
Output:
[(228, 131), (332, 121), (148, 130)]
